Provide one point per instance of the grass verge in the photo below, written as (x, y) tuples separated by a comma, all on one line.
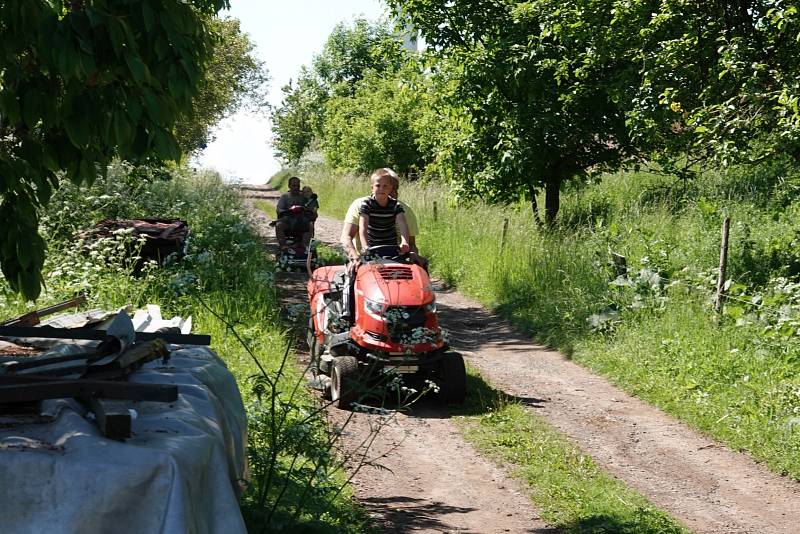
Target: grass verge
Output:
[(570, 490)]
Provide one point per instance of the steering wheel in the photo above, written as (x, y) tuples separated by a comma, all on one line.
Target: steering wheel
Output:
[(374, 252)]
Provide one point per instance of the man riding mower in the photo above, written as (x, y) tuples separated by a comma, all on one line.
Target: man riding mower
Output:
[(387, 326), (294, 227)]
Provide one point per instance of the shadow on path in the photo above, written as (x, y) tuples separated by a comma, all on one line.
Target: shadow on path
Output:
[(406, 514)]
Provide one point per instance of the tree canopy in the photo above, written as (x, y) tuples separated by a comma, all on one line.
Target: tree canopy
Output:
[(544, 84), (555, 89), (81, 83), (719, 80), (377, 125)]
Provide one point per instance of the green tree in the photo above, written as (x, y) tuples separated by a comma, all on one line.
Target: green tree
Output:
[(545, 84), (350, 53), (81, 83), (299, 118), (232, 78), (375, 127), (720, 80)]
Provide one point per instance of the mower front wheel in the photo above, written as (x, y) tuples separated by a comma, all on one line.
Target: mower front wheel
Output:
[(344, 372), (453, 388)]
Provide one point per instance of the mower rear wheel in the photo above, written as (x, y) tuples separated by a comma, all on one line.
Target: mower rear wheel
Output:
[(453, 389), (344, 373)]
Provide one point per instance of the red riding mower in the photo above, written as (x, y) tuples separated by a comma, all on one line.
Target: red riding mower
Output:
[(297, 254), (382, 322)]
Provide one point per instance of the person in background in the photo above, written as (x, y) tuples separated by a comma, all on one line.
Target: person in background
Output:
[(311, 206), (289, 220)]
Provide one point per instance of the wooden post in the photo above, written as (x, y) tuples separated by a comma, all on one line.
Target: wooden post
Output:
[(723, 266), (435, 212), (503, 238)]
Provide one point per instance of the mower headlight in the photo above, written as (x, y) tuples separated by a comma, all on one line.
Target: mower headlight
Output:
[(431, 306), (373, 306)]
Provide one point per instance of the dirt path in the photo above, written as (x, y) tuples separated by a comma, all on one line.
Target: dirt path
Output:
[(436, 482)]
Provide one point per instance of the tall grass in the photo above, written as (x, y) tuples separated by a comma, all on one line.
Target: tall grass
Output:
[(652, 332)]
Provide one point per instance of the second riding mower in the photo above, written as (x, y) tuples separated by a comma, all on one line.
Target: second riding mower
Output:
[(300, 249), (375, 320)]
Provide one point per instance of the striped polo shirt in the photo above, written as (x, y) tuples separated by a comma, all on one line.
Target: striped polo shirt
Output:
[(381, 228)]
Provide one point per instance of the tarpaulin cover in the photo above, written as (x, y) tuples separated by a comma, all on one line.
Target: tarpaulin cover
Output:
[(181, 471)]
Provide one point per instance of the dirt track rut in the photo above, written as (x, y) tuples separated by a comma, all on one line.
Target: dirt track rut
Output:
[(431, 480)]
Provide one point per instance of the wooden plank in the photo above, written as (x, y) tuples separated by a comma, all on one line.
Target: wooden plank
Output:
[(75, 367), (86, 389), (91, 333), (113, 417), (34, 362)]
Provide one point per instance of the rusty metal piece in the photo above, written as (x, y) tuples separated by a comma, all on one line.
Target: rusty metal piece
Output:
[(33, 318), (162, 237)]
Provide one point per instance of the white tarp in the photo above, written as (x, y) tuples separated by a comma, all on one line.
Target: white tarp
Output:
[(181, 471)]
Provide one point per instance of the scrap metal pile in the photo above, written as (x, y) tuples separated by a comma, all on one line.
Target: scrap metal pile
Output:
[(162, 237), (93, 367)]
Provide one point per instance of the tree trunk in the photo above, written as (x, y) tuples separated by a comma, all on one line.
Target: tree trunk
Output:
[(534, 205), (551, 200)]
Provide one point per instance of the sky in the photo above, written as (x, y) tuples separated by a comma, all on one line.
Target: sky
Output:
[(287, 34)]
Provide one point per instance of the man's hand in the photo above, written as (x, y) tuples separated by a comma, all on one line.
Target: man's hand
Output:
[(349, 231)]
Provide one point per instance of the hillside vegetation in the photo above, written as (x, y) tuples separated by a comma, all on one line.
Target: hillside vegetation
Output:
[(653, 331)]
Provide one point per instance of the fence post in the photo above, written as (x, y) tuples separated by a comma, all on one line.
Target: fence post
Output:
[(435, 211), (723, 266), (503, 238)]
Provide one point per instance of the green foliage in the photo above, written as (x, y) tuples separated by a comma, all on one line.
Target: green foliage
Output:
[(226, 284), (80, 83), (719, 80), (350, 54), (232, 78), (736, 381), (375, 126), (299, 118), (573, 494), (553, 91)]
